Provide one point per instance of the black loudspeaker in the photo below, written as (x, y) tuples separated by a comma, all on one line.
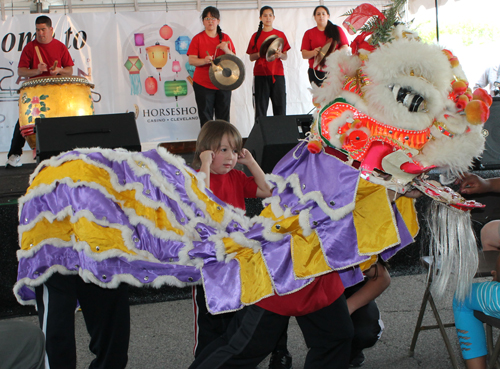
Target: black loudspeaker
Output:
[(272, 137), (108, 131), (490, 159)]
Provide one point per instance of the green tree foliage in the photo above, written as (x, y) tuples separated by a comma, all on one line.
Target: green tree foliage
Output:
[(467, 32)]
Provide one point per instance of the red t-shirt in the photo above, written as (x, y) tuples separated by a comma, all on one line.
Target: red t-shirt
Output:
[(233, 187), (314, 38), (320, 293), (54, 50), (262, 66), (200, 44)]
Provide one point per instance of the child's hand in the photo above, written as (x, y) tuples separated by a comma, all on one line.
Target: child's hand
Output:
[(245, 157), (206, 157)]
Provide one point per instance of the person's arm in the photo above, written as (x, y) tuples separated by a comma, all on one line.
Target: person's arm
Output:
[(263, 188), (308, 54), (206, 158), (66, 71), (198, 62), (378, 281), (471, 183), (224, 46), (27, 72), (254, 56), (282, 55), (306, 47)]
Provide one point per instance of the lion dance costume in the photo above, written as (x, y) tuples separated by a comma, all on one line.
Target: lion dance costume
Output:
[(386, 114)]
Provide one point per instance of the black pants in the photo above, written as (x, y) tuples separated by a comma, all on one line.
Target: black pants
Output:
[(254, 332), (212, 103), (366, 321), (208, 327), (315, 76), (265, 89), (107, 317), (17, 143)]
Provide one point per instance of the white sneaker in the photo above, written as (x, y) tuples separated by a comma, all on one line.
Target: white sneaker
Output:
[(13, 161)]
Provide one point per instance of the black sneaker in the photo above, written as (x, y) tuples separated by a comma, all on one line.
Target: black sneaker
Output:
[(280, 360), (357, 360)]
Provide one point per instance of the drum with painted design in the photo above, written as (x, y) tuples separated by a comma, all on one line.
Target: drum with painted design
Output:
[(49, 97)]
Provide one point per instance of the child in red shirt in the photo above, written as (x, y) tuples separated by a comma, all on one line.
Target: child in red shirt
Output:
[(219, 148)]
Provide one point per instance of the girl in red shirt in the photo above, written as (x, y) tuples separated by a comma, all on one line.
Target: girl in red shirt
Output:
[(269, 76), (219, 148), (204, 48), (315, 38)]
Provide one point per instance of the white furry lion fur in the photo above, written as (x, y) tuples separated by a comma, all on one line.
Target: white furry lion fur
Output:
[(425, 70)]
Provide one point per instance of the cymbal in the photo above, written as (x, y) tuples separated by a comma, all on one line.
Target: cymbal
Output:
[(227, 72), (274, 47), (323, 52), (265, 45)]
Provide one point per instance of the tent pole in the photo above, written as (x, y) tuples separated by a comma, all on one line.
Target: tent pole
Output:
[(437, 21)]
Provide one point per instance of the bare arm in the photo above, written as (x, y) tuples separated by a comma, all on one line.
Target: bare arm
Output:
[(224, 46), (206, 158), (378, 281), (42, 67), (27, 72), (198, 62), (66, 71), (281, 55), (263, 188), (254, 56), (308, 54), (471, 183)]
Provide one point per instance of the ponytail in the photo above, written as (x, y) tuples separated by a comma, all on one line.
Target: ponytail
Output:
[(259, 31), (219, 32), (332, 31)]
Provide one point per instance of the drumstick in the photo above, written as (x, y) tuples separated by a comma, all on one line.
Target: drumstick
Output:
[(54, 66), (39, 55)]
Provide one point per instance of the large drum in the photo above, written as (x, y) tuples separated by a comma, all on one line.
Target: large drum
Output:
[(48, 97)]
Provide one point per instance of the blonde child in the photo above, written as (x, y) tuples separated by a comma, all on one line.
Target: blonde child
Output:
[(219, 148)]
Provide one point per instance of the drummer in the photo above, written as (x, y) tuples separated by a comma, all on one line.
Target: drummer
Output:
[(44, 56), (315, 38), (205, 47), (269, 76)]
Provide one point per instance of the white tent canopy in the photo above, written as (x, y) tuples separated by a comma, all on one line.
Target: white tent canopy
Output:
[(12, 7)]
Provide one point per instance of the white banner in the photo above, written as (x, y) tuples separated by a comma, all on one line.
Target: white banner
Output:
[(138, 63)]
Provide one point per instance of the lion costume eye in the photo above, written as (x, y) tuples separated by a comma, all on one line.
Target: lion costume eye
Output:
[(415, 103)]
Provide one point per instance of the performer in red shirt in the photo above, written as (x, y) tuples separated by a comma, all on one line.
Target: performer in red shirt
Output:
[(106, 311), (30, 65), (219, 148), (269, 76), (315, 38), (204, 48), (243, 339)]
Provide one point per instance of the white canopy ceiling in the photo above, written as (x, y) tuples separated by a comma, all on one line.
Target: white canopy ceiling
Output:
[(13, 7)]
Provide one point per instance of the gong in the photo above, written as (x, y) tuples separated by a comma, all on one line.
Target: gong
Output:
[(227, 72), (270, 47)]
